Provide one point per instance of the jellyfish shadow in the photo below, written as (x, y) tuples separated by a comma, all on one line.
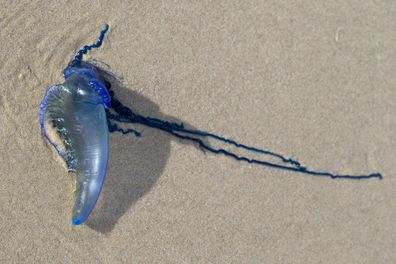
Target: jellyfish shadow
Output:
[(135, 163)]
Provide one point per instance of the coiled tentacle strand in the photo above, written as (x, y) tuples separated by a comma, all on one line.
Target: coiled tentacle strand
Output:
[(84, 50), (113, 127)]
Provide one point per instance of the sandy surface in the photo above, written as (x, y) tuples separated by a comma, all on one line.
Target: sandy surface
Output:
[(313, 81)]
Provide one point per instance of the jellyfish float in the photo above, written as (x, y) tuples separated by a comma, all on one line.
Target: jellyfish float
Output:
[(77, 116)]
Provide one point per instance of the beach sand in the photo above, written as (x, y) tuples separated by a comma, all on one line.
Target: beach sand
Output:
[(314, 81)]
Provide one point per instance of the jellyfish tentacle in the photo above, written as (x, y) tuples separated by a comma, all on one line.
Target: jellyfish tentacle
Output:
[(126, 115), (270, 164), (238, 145), (303, 170), (84, 50), (113, 127)]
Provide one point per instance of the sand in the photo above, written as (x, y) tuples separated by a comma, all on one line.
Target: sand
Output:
[(315, 81)]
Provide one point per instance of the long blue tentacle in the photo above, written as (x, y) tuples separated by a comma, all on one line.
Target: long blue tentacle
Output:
[(154, 122), (126, 115), (181, 128)]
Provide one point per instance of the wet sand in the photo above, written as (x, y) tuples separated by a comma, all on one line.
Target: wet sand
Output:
[(315, 82)]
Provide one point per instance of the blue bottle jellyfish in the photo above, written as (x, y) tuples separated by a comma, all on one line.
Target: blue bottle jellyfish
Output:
[(77, 116)]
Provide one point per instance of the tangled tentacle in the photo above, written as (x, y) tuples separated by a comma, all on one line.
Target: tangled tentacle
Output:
[(126, 115)]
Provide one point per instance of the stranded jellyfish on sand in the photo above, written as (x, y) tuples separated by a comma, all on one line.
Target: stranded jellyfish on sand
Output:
[(77, 116)]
